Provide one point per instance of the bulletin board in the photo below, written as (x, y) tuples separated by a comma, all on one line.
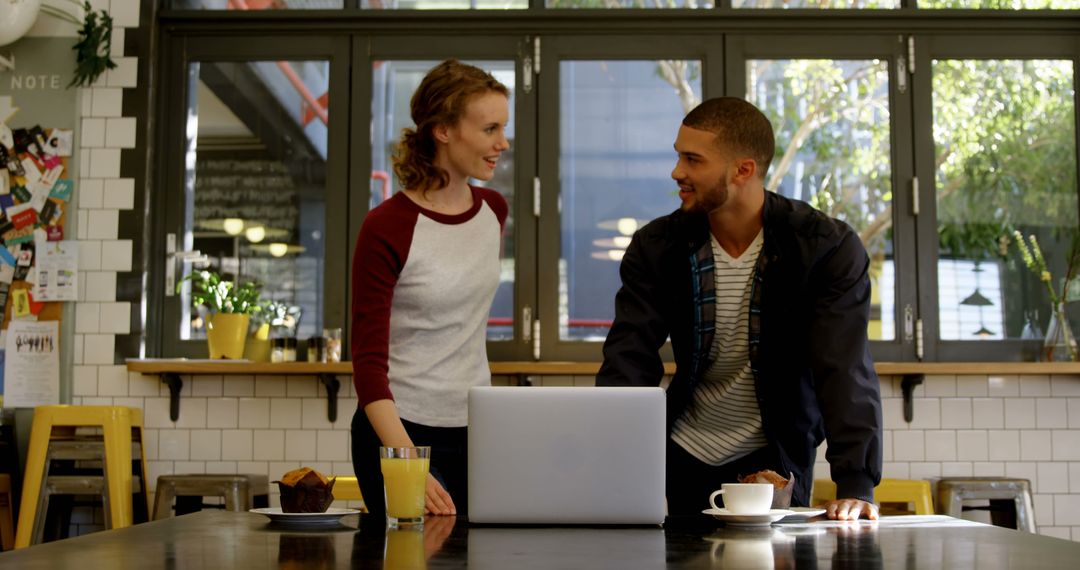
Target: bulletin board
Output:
[(38, 256)]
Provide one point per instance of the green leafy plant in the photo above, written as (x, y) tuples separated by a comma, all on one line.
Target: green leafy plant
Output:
[(209, 290), (93, 51), (279, 315), (94, 48)]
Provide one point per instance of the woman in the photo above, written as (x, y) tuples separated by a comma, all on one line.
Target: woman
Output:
[(424, 275)]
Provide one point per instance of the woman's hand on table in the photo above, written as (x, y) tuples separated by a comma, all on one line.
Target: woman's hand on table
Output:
[(436, 500), (850, 509), (436, 531)]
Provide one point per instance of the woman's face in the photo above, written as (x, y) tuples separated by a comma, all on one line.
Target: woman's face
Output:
[(473, 146)]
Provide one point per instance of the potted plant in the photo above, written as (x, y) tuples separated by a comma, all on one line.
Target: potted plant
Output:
[(271, 316), (229, 308)]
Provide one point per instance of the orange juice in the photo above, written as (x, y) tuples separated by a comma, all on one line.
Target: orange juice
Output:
[(405, 480)]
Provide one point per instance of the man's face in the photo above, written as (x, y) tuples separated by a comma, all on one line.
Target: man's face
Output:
[(704, 172)]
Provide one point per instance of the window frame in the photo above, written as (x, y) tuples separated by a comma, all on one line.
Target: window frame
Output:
[(168, 205), (744, 47), (569, 48), (367, 50), (937, 33), (961, 46)]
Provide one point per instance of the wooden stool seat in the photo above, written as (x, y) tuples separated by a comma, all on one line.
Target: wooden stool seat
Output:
[(241, 492), (1010, 499), (54, 435)]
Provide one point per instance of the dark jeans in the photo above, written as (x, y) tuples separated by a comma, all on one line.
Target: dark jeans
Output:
[(449, 460), (690, 482)]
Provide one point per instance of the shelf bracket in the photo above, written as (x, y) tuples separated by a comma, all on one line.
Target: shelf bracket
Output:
[(175, 384), (332, 385), (907, 386)]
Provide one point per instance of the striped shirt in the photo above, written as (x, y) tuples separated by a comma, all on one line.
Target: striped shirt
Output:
[(723, 421)]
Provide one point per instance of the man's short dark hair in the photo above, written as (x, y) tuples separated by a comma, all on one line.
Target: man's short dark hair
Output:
[(738, 125)]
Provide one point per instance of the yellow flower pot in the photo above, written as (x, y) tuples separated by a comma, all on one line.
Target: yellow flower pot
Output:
[(225, 333), (257, 348)]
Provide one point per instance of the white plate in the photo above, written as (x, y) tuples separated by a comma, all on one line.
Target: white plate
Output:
[(331, 516), (804, 513), (763, 519)]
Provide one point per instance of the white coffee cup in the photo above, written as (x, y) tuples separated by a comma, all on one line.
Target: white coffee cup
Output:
[(744, 498)]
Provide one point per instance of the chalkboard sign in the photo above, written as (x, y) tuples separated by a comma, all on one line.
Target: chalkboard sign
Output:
[(258, 191)]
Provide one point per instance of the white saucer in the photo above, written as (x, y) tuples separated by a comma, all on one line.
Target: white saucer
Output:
[(763, 519), (331, 516), (804, 513)]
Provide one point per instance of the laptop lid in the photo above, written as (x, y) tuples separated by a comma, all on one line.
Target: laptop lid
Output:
[(549, 455)]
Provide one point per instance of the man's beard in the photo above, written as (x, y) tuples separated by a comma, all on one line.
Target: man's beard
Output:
[(714, 198)]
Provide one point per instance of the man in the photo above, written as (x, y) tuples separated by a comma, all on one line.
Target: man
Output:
[(766, 302)]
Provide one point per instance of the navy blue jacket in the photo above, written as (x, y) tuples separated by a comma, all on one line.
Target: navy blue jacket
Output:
[(810, 303)]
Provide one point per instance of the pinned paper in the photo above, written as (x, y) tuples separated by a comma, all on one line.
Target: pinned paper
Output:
[(59, 142), (30, 169), (6, 257), (57, 271), (35, 306), (22, 194), (54, 233), (32, 364), (7, 275), (22, 217), (62, 190), (19, 237), (49, 211), (20, 303), (6, 201), (15, 168), (6, 138)]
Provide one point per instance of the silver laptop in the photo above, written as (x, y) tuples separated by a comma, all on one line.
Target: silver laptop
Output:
[(566, 455)]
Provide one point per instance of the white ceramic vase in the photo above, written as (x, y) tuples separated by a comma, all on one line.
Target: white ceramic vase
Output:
[(16, 18)]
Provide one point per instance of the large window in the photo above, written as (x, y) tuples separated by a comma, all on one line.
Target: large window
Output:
[(934, 143)]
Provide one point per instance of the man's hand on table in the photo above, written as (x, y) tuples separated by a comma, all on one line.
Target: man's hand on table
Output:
[(436, 500), (850, 509)]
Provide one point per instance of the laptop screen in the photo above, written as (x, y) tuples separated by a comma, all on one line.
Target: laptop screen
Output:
[(566, 455)]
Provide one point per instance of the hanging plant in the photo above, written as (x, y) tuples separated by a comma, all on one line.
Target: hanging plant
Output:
[(94, 49)]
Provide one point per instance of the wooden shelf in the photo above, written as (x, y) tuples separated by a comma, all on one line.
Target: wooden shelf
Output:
[(201, 367), (913, 372)]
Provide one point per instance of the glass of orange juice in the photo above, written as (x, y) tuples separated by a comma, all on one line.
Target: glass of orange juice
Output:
[(404, 471)]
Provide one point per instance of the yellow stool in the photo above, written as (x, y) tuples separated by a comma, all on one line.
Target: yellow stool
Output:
[(914, 491), (347, 489), (121, 427)]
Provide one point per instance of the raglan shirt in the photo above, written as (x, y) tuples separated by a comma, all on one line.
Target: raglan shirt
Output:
[(423, 283)]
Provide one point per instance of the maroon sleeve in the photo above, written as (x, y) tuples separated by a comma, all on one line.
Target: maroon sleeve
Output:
[(497, 203), (381, 251)]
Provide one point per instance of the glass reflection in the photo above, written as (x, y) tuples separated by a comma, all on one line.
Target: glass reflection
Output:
[(406, 547)]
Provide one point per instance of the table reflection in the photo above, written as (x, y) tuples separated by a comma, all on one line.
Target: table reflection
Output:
[(296, 551), (510, 547), (404, 547)]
